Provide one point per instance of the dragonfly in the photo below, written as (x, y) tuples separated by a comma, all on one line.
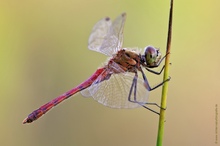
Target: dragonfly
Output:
[(116, 83)]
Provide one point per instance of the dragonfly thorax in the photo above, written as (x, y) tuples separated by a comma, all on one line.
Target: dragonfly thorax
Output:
[(151, 56), (127, 60)]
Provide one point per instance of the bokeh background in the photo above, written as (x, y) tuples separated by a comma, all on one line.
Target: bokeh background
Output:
[(43, 53)]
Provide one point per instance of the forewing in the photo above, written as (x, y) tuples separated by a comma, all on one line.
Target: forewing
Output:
[(107, 37), (114, 39), (98, 34)]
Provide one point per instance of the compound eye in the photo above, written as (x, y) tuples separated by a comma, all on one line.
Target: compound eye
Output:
[(152, 55)]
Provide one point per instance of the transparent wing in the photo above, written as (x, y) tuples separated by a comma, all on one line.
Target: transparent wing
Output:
[(98, 34), (114, 91), (114, 39), (107, 37), (88, 92)]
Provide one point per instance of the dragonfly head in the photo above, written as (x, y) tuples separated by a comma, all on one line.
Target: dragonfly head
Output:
[(151, 56)]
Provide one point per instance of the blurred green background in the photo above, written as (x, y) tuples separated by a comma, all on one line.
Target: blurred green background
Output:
[(44, 53)]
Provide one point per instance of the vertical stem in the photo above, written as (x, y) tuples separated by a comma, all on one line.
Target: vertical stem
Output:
[(165, 86)]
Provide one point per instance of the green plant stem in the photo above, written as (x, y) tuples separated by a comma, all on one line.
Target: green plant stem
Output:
[(165, 86)]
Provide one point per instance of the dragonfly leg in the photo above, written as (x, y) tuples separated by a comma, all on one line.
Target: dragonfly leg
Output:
[(148, 85), (131, 89), (158, 64), (155, 72), (150, 109), (152, 88), (160, 84), (134, 85), (155, 104)]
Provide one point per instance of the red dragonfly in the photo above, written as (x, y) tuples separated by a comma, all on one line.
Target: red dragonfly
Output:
[(116, 84)]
